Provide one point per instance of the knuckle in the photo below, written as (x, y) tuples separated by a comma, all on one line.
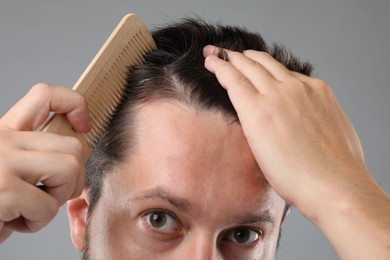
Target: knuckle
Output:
[(10, 209), (5, 136), (259, 55), (299, 87), (78, 188), (241, 79), (81, 100), (40, 91), (321, 84), (77, 146), (78, 191), (264, 54), (40, 88), (74, 164), (254, 63), (298, 83), (5, 182), (6, 172), (249, 52), (52, 209)]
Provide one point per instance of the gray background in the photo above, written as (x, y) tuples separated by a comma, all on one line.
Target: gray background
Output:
[(348, 41)]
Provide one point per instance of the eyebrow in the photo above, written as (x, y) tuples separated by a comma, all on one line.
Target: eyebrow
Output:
[(162, 193), (184, 205), (253, 218)]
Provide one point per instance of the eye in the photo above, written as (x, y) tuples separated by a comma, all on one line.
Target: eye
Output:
[(243, 235), (162, 221)]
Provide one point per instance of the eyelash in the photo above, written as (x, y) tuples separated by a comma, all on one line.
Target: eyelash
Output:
[(227, 236), (229, 233), (146, 220)]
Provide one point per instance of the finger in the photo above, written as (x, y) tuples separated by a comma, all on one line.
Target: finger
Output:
[(258, 75), (240, 90), (45, 142), (254, 71), (34, 108), (317, 86), (210, 50), (275, 68), (301, 77), (4, 232), (314, 83), (24, 201), (58, 172)]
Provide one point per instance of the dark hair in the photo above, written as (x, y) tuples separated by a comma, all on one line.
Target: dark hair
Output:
[(175, 71)]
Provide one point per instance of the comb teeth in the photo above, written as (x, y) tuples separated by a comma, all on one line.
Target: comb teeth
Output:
[(112, 87), (102, 104), (103, 82)]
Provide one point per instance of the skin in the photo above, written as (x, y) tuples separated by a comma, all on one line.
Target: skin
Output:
[(208, 185), (285, 117), (27, 156), (291, 117)]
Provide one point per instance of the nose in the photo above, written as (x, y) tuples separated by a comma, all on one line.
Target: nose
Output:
[(200, 247)]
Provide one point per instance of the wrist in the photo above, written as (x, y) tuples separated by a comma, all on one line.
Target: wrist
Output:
[(354, 216), (334, 191)]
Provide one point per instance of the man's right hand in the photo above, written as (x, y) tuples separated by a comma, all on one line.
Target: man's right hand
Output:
[(29, 157)]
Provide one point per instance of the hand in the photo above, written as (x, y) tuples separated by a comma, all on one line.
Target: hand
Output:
[(307, 150), (28, 157), (298, 133)]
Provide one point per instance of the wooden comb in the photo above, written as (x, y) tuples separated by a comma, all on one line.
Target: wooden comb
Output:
[(104, 80)]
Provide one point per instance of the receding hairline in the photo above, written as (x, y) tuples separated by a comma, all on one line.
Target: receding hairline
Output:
[(134, 110), (178, 59), (192, 106)]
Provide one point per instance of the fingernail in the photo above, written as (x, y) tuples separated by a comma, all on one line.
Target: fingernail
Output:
[(208, 50)]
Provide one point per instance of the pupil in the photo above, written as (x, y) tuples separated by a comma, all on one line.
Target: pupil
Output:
[(241, 235), (157, 220)]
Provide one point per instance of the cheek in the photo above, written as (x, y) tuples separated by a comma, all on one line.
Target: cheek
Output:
[(263, 251)]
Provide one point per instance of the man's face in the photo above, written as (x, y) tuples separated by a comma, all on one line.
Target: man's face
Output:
[(190, 189)]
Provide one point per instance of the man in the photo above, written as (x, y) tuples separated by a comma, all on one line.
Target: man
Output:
[(188, 170)]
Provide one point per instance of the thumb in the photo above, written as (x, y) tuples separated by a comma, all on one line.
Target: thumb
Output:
[(34, 108)]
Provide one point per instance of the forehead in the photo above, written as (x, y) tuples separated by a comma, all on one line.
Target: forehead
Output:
[(197, 155), (189, 137)]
